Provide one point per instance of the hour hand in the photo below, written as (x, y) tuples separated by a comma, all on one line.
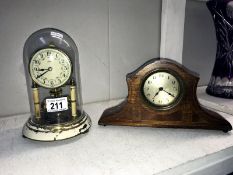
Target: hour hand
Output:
[(156, 94), (160, 89), (43, 69)]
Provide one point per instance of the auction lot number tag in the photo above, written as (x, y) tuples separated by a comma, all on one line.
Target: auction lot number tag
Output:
[(56, 104)]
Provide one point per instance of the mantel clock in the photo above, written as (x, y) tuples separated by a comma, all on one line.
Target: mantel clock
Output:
[(162, 93)]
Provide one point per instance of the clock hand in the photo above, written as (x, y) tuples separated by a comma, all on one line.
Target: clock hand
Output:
[(160, 89), (169, 93), (38, 76), (43, 69), (49, 69), (156, 94)]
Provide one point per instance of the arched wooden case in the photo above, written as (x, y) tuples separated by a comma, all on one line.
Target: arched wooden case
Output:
[(186, 113)]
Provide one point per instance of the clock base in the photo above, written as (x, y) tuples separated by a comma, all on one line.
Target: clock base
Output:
[(38, 132), (125, 114)]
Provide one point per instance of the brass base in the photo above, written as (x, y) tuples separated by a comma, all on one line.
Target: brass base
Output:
[(38, 132)]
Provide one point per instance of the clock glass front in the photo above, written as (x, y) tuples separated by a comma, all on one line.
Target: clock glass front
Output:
[(161, 88), (51, 63)]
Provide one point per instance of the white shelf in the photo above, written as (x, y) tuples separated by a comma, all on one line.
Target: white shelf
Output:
[(214, 103), (116, 150)]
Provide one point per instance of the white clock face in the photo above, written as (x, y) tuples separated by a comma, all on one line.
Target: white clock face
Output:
[(50, 68), (161, 89)]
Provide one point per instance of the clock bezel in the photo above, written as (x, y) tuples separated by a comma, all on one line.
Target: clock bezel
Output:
[(179, 96), (59, 50)]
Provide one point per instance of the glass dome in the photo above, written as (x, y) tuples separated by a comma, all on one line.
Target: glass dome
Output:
[(52, 72)]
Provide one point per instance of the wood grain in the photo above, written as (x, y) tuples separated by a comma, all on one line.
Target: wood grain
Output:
[(187, 113)]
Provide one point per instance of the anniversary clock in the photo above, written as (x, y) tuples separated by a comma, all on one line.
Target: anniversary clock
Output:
[(54, 88), (162, 93)]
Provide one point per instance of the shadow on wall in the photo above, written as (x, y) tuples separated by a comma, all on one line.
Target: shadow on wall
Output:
[(199, 40)]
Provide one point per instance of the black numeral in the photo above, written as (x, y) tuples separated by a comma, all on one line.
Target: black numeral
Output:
[(52, 105), (51, 83), (48, 53), (36, 61), (35, 68), (57, 105)]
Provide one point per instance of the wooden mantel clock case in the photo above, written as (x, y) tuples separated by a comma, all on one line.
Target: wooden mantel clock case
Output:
[(162, 93)]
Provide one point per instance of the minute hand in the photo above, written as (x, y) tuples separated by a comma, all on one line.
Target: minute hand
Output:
[(169, 93), (38, 76)]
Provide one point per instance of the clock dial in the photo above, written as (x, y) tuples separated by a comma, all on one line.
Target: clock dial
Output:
[(50, 68), (161, 89)]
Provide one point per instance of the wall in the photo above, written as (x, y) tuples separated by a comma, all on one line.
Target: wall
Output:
[(199, 47), (113, 37)]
